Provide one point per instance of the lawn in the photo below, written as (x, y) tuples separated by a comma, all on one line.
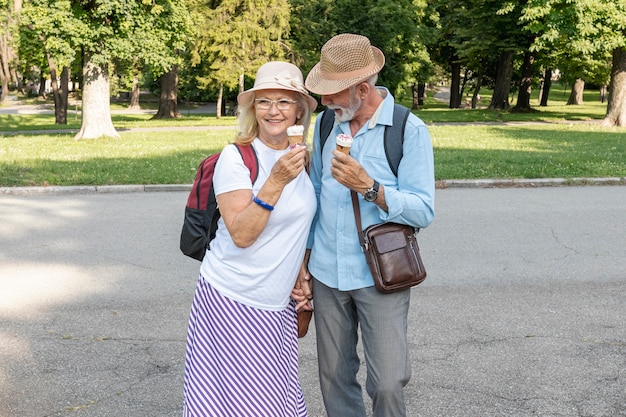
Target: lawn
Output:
[(559, 142)]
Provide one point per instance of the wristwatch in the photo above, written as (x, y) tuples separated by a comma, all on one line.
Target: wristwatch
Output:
[(372, 194)]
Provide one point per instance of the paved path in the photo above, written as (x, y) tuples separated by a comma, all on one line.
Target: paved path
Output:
[(522, 313)]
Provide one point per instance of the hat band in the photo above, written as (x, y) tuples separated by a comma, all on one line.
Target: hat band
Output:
[(370, 69), (283, 79)]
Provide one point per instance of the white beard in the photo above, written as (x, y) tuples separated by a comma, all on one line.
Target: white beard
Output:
[(347, 113)]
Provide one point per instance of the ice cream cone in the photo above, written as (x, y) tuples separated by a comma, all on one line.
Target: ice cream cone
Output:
[(344, 143), (295, 140), (296, 135)]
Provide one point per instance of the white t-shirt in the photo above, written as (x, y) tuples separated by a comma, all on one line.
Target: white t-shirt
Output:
[(263, 274)]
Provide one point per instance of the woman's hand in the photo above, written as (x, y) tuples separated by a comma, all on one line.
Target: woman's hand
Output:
[(302, 291), (244, 219), (289, 166)]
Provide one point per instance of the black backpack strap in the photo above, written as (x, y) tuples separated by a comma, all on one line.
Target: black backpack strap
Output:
[(326, 126), (394, 137)]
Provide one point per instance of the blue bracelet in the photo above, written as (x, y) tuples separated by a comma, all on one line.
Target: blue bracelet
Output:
[(263, 204)]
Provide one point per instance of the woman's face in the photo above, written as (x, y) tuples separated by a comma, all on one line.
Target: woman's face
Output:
[(275, 111)]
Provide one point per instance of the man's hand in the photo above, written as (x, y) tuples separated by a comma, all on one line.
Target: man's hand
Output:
[(347, 171)]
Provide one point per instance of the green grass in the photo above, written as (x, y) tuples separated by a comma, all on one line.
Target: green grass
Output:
[(135, 158), (564, 145), (528, 151), (461, 152)]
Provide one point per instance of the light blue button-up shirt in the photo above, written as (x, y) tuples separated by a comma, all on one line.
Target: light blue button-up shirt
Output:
[(336, 256)]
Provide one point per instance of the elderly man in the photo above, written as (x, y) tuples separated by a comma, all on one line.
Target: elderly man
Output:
[(342, 285)]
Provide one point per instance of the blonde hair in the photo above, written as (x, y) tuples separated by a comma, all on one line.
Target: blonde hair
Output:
[(249, 128)]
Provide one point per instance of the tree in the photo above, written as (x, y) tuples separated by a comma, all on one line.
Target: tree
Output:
[(47, 29), (236, 37), (588, 32), (8, 14), (167, 33), (108, 31), (616, 108), (481, 37), (451, 42), (546, 84), (391, 25), (168, 98), (523, 96)]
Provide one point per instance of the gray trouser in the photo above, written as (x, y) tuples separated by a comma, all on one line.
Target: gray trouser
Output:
[(383, 321)]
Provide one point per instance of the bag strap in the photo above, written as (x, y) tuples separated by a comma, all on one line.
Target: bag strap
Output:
[(394, 137), (250, 160), (326, 126), (357, 217)]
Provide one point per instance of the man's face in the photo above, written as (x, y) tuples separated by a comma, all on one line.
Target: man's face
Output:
[(345, 103)]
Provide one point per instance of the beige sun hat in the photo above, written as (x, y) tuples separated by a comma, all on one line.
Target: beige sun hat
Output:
[(278, 75), (346, 60)]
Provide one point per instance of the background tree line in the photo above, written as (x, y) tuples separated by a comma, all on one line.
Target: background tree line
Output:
[(208, 49)]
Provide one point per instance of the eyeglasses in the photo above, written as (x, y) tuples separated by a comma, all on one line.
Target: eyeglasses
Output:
[(266, 103)]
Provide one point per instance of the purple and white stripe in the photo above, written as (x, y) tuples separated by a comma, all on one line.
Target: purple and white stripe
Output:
[(241, 361)]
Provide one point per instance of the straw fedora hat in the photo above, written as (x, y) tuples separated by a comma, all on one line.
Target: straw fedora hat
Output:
[(278, 75), (346, 60)]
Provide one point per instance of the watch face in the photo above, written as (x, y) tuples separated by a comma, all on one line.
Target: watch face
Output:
[(370, 195)]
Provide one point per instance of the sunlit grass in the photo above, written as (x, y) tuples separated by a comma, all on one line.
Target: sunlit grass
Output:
[(461, 152), (528, 151), (563, 142)]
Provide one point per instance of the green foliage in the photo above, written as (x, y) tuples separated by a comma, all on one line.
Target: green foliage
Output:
[(394, 26), (125, 31), (581, 34), (49, 29), (235, 37)]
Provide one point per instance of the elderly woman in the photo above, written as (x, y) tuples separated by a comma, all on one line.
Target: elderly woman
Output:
[(242, 344)]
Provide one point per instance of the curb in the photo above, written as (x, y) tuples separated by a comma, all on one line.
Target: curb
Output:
[(95, 189), (442, 184), (530, 183)]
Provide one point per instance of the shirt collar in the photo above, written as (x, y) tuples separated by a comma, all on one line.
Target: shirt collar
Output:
[(382, 115)]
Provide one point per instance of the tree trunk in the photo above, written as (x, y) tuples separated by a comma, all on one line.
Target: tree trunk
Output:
[(500, 98), (466, 76), (421, 93), (168, 100), (455, 85), (59, 93), (96, 119), (414, 98), (479, 84), (576, 96), (42, 87), (616, 108), (4, 64), (526, 84), (603, 93), (220, 97), (545, 89), (134, 94)]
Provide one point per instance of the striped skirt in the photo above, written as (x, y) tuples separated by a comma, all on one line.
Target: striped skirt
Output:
[(241, 361)]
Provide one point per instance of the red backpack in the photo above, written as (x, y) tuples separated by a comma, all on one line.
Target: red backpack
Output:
[(201, 211)]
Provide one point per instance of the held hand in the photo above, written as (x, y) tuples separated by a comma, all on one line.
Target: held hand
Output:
[(347, 171), (302, 291), (289, 166), (301, 301)]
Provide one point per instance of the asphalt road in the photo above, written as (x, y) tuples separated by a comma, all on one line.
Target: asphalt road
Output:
[(522, 313)]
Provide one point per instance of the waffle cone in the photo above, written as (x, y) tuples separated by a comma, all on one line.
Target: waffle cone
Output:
[(295, 140)]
